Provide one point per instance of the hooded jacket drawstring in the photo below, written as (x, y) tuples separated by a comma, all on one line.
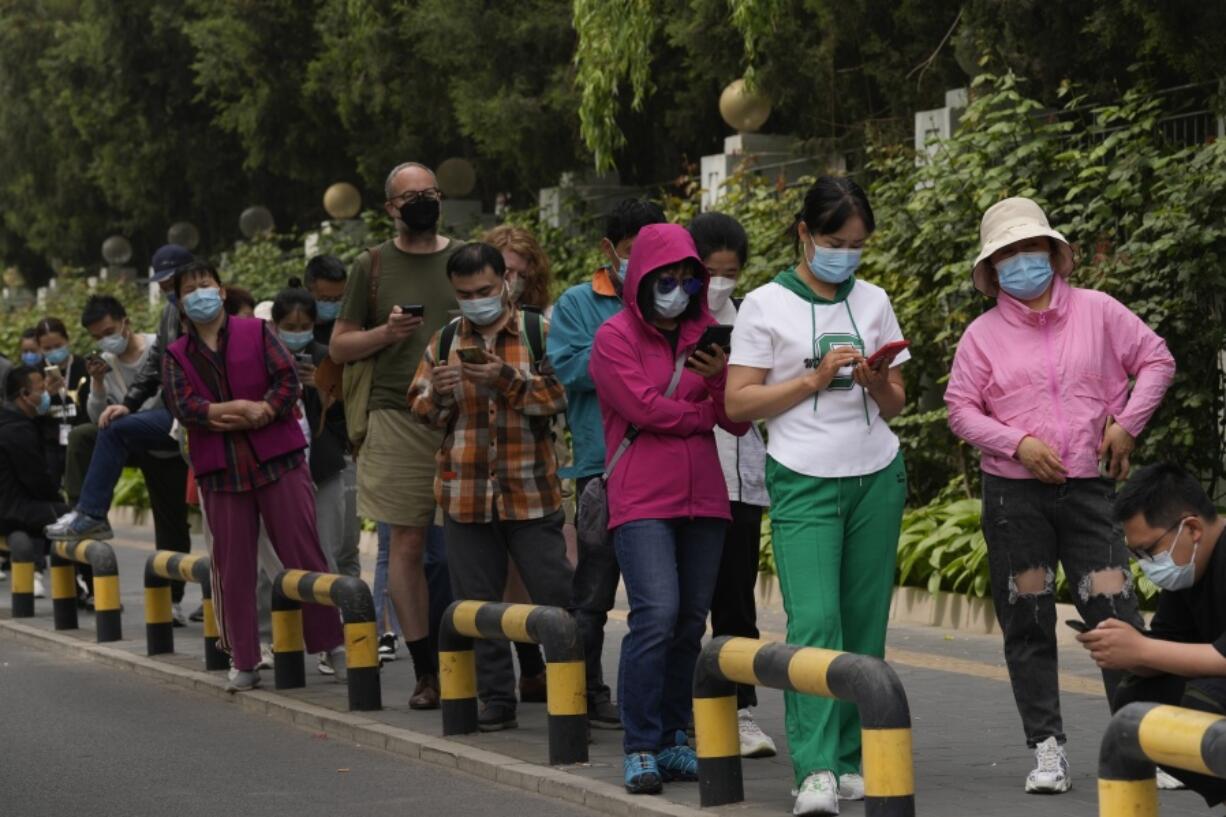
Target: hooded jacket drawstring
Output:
[(863, 391)]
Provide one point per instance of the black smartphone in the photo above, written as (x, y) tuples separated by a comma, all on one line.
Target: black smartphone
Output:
[(416, 310), (471, 354), (96, 357), (304, 357), (718, 335), (1079, 626)]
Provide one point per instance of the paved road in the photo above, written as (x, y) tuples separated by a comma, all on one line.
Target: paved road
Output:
[(81, 739)]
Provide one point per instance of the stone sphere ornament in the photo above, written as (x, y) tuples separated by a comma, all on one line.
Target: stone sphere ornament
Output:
[(256, 220), (744, 110), (116, 250), (184, 234), (456, 177), (342, 201)]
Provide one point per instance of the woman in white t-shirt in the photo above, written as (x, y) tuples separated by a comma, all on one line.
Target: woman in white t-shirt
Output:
[(834, 470)]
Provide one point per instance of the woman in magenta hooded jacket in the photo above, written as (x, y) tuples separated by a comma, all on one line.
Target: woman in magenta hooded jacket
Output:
[(668, 505)]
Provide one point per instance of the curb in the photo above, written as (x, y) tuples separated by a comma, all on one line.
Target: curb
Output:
[(551, 782)]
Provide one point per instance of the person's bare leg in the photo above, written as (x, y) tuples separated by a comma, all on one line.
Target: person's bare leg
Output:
[(406, 581)]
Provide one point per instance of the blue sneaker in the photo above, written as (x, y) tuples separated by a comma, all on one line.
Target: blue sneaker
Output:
[(678, 762), (642, 774), (76, 526)]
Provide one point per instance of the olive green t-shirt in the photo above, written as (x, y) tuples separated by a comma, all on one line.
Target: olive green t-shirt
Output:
[(404, 278)]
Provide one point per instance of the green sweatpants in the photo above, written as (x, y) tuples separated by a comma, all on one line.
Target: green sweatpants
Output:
[(836, 544)]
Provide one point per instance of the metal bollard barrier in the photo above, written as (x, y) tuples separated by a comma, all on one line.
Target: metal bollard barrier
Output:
[(1144, 734), (101, 557), (293, 588), (565, 682), (20, 548), (870, 683), (162, 567)]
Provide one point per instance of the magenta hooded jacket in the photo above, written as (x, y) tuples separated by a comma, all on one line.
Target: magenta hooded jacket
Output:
[(672, 469)]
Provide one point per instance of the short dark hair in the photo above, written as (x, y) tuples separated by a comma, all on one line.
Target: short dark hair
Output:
[(326, 268), (18, 380), (1163, 493), (646, 298), (29, 334), (829, 203), (629, 216), (474, 257), (196, 269), (291, 298), (236, 299), (713, 232), (48, 326), (102, 306)]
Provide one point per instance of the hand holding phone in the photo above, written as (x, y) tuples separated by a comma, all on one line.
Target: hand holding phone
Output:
[(471, 354), (416, 310), (1079, 626), (887, 353), (717, 335)]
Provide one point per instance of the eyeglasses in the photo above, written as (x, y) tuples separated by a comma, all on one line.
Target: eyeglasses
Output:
[(1145, 554), (410, 196), (667, 284)]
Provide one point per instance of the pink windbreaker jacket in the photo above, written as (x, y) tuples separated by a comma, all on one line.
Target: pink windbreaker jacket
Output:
[(672, 469), (1056, 375)]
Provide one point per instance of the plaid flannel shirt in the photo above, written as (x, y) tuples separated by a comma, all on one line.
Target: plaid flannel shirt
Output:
[(243, 470), (498, 456)]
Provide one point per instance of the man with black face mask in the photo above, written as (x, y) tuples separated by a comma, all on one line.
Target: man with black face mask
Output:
[(397, 296)]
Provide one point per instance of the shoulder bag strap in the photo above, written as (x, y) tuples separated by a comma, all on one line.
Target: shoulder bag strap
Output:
[(633, 431)]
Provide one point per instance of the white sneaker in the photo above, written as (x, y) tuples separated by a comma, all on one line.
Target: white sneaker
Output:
[(817, 795), (1051, 774), (1168, 783), (851, 787), (324, 665), (754, 742), (3, 575), (176, 616), (40, 591), (265, 657)]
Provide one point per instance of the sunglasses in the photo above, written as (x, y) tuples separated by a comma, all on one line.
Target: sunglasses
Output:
[(667, 284)]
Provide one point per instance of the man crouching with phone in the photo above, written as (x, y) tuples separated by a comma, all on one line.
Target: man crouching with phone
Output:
[(1172, 529), (484, 380)]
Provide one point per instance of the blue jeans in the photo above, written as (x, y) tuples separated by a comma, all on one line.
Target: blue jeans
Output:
[(131, 434), (385, 611), (669, 567)]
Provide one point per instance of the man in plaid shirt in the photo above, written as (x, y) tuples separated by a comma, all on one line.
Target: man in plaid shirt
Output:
[(497, 480)]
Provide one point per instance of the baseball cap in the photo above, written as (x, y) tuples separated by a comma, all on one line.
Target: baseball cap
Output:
[(167, 260)]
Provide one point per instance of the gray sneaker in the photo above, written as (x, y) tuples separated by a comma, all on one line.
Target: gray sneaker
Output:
[(602, 714), (77, 526), (243, 680)]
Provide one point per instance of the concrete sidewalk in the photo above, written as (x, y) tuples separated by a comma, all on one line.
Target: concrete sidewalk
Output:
[(970, 757)]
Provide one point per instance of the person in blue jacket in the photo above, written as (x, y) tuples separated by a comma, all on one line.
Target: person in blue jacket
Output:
[(576, 317)]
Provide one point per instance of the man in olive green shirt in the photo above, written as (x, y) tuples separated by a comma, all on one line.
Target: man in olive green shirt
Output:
[(396, 463)]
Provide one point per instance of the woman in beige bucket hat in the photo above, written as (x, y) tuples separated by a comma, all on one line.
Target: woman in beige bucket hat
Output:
[(1040, 385)]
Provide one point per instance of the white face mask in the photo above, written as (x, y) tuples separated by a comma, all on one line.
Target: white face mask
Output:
[(719, 290)]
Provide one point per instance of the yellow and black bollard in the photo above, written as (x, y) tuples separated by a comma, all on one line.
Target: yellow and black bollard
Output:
[(288, 661), (100, 556), (21, 558), (565, 686), (1143, 735), (352, 598), (161, 568), (870, 683)]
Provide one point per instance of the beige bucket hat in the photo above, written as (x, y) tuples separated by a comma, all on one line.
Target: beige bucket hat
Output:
[(1010, 220)]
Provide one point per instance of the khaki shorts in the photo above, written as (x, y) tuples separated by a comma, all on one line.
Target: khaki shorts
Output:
[(396, 469)]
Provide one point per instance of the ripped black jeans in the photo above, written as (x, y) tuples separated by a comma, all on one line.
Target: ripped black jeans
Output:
[(1029, 526)]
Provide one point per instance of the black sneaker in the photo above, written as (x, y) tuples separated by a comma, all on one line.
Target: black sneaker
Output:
[(387, 647), (602, 714), (197, 615), (496, 718)]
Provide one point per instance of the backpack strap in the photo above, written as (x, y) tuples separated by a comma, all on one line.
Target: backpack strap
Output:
[(736, 303), (372, 293), (446, 339), (532, 333), (633, 431)]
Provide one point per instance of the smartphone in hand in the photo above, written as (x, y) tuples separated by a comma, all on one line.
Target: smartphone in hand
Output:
[(888, 352), (416, 310), (1079, 626), (471, 354), (717, 335)]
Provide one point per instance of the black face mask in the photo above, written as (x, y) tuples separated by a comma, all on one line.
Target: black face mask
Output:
[(420, 214)]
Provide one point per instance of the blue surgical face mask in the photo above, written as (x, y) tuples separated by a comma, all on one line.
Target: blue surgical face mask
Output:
[(672, 303), (482, 311), (619, 274), (1162, 570), (115, 344), (44, 403), (203, 305), (31, 358), (57, 355), (296, 341), (1026, 275), (327, 311), (833, 266)]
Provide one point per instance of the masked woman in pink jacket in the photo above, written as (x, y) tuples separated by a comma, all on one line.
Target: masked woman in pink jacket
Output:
[(1040, 385), (668, 504)]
